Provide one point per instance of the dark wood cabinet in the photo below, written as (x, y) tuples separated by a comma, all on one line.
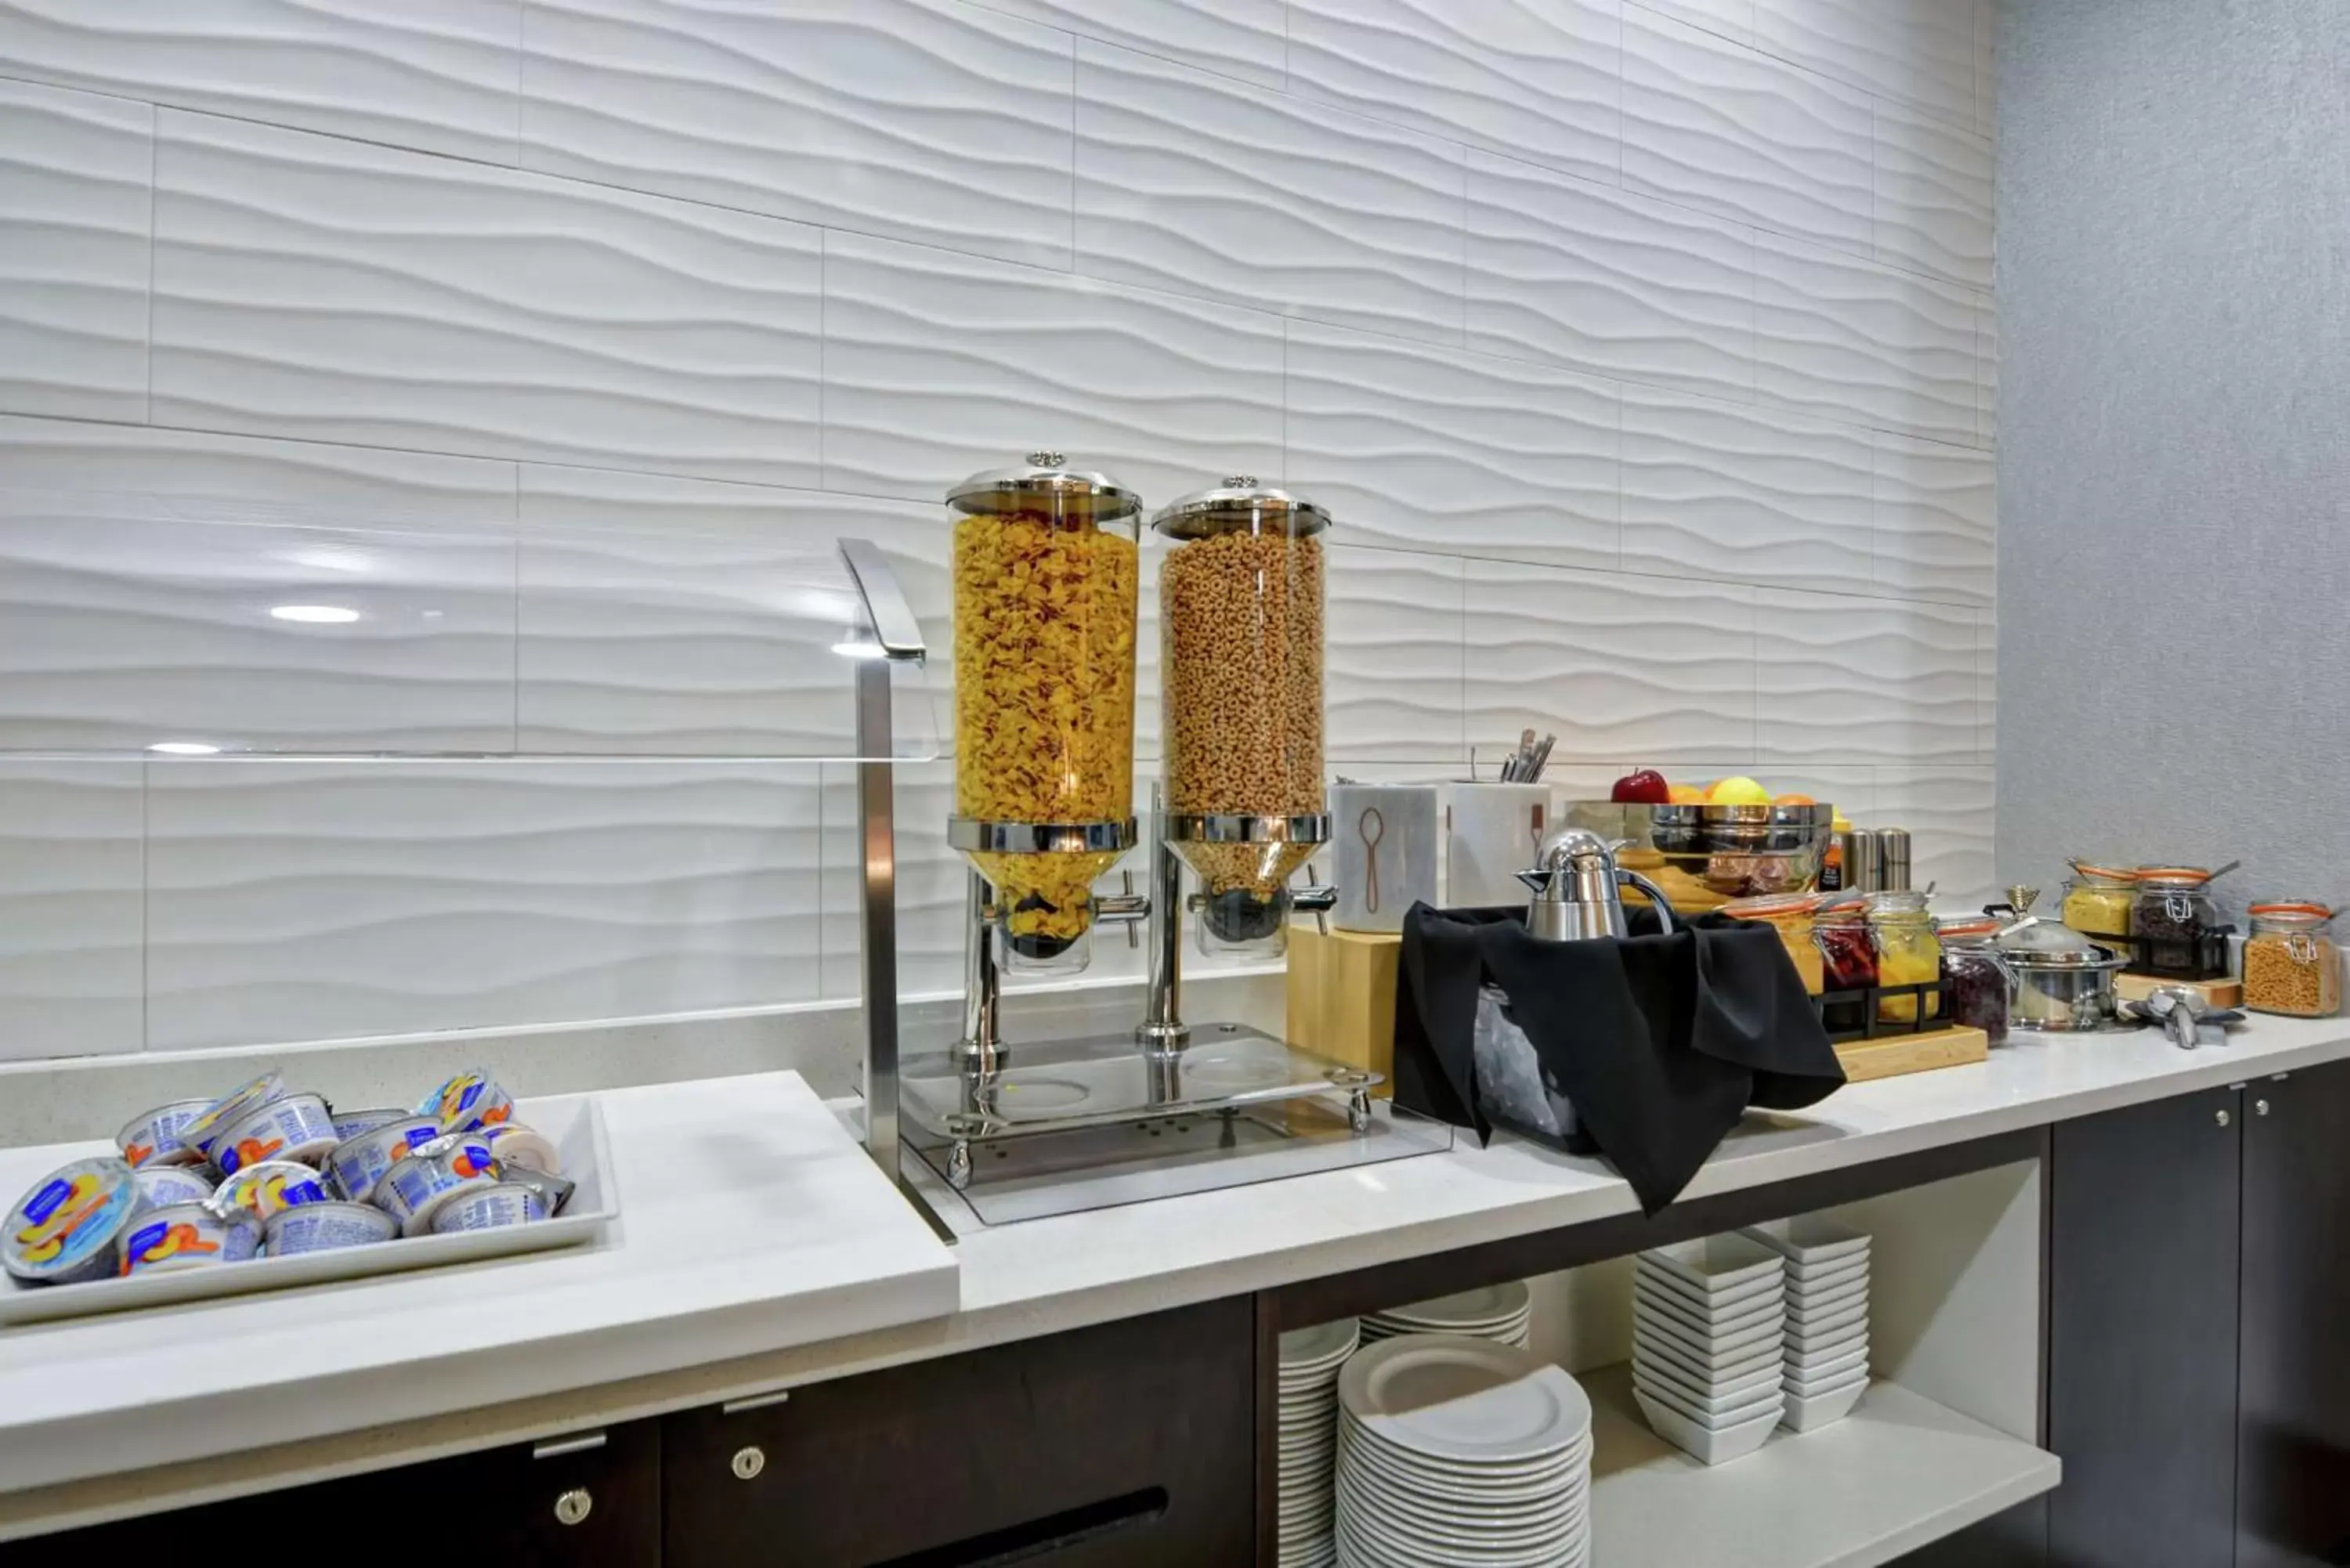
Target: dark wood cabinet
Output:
[(2292, 1486), (591, 1502), (1127, 1445), (2143, 1279)]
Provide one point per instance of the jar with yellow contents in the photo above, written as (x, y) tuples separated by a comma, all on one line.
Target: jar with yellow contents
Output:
[(1792, 916), (1909, 952), (2098, 899), (1046, 562)]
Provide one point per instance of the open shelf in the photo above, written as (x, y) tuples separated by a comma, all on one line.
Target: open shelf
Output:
[(1898, 1473)]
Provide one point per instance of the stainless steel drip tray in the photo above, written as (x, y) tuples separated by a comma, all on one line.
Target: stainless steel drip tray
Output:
[(1073, 1172), (1059, 1085)]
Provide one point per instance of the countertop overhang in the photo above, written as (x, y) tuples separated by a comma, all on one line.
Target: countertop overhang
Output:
[(1050, 1275)]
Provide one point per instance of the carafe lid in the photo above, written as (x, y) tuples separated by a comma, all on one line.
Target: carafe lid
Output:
[(1046, 484), (1240, 505)]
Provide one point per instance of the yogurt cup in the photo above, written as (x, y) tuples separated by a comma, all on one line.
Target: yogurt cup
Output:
[(514, 1144), (68, 1228), (490, 1209), (414, 1190), (271, 1187), (161, 1186), (349, 1124), (553, 1190), (468, 1101), (326, 1228), (295, 1127), (357, 1165), (158, 1138), (189, 1236), (213, 1122)]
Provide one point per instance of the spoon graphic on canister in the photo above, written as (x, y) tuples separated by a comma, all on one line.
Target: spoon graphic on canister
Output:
[(1373, 828)]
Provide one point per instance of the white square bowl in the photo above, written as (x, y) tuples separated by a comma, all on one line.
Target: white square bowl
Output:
[(1826, 1382), (1711, 1446), (1820, 1276), (1804, 1414), (1663, 1279), (1818, 1298), (1712, 1349), (1716, 1410), (1826, 1365), (1821, 1325), (1697, 1320), (1714, 1264), (1704, 1371), (1809, 1238), (1699, 1389)]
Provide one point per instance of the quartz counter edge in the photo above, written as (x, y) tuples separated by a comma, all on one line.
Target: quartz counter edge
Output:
[(1049, 1276)]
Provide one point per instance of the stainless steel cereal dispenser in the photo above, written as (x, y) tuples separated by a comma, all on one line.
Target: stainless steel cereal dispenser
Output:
[(1046, 561), (1241, 607)]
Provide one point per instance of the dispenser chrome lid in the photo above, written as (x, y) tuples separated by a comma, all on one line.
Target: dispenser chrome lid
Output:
[(1046, 484), (1240, 505)]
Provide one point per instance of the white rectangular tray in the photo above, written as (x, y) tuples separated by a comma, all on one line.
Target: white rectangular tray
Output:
[(574, 1123)]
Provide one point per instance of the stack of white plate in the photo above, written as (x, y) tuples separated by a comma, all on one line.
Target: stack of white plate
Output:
[(1311, 1360), (1503, 1314), (1707, 1320), (1461, 1451), (1825, 1361)]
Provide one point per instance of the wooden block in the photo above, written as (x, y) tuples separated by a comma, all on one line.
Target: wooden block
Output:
[(1342, 996), (2217, 992), (1896, 1055)]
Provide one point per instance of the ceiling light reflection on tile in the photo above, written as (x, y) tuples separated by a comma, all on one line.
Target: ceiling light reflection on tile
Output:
[(315, 615), (185, 748)]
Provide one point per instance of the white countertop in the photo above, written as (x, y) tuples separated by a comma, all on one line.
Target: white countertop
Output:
[(1048, 1276)]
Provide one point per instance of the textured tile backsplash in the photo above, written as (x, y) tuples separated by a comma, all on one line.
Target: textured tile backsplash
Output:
[(1644, 353)]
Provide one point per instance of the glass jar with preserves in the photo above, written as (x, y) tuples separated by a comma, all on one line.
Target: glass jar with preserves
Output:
[(1909, 952), (1847, 959), (1977, 985), (2291, 965), (2173, 917), (1045, 565), (2098, 901), (1790, 915), (1241, 628)]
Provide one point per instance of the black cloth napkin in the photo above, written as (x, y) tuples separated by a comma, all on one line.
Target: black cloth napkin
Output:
[(1659, 1041)]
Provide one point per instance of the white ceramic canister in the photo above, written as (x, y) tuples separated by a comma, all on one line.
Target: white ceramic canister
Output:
[(158, 1137), (190, 1236), (213, 1122), (491, 1209), (1390, 847), (69, 1226), (1492, 832), (357, 1165), (295, 1127), (327, 1227), (413, 1191), (161, 1186), (273, 1185)]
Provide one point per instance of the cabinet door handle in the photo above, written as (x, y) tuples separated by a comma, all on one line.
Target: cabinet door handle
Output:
[(556, 1448), (573, 1506)]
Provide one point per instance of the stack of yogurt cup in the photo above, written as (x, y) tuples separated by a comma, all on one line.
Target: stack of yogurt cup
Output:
[(268, 1172)]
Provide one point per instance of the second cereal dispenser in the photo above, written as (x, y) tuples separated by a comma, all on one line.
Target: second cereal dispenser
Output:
[(1241, 611)]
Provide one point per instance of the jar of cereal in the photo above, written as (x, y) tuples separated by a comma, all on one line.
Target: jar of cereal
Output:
[(2291, 965), (1046, 560)]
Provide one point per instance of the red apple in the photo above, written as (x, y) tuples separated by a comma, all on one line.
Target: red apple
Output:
[(1647, 787)]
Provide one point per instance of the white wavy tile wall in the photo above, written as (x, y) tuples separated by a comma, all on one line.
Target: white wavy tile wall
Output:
[(1646, 353)]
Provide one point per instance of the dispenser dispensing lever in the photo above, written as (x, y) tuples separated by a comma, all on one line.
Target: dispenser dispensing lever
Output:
[(1129, 908), (1317, 900)]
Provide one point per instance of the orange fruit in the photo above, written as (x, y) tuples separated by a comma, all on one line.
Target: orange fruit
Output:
[(1794, 800), (1689, 795)]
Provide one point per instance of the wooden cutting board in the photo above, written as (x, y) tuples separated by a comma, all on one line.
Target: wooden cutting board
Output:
[(1891, 1057), (2217, 992)]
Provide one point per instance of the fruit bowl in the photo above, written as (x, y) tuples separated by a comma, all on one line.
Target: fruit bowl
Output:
[(1711, 854)]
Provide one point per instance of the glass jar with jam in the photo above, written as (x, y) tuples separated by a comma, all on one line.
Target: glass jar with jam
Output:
[(2173, 915), (2099, 900), (1847, 957), (2291, 965), (1791, 916), (1909, 952), (1977, 984)]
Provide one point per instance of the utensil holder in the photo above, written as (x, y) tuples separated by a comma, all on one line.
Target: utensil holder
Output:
[(1492, 832), (1389, 848)]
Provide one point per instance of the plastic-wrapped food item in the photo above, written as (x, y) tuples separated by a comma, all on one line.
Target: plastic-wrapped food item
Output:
[(2291, 965), (1977, 985), (1909, 952), (1046, 562)]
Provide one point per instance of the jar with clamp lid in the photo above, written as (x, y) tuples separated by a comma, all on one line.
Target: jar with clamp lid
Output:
[(1241, 595), (2291, 965), (1909, 952), (2099, 900), (1046, 559), (1976, 983), (1847, 956), (2175, 922)]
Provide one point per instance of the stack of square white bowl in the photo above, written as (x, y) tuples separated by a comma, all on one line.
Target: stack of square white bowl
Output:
[(1311, 1360), (1502, 1313), (1458, 1451), (1708, 1318), (1826, 1355)]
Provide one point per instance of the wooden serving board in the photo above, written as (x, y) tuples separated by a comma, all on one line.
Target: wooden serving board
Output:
[(2217, 992), (1896, 1055)]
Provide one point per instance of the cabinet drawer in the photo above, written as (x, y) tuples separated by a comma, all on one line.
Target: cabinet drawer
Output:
[(1127, 1445)]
